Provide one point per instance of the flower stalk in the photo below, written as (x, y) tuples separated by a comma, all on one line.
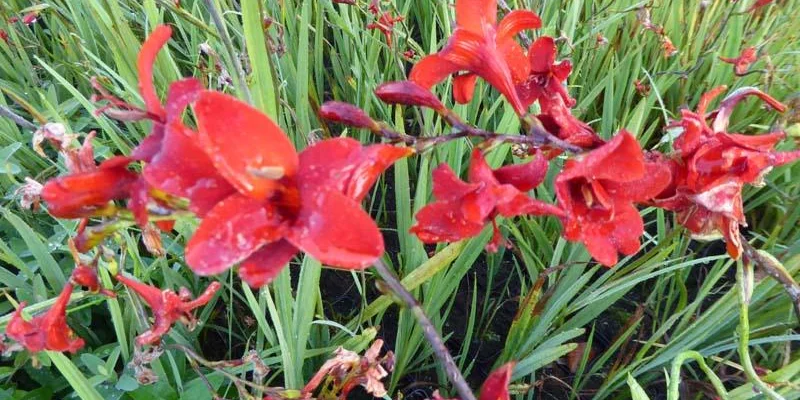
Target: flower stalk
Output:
[(428, 330)]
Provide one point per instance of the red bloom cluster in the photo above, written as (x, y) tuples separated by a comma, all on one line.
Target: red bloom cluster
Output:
[(482, 47), (260, 201), (711, 166), (462, 209)]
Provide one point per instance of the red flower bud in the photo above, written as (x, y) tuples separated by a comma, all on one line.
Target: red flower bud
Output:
[(408, 93), (347, 114)]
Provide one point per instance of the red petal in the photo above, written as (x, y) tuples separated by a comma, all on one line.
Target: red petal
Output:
[(656, 178), (150, 145), (599, 245), (182, 169), (495, 387), (80, 195), (475, 15), (335, 230), (247, 148), (447, 186), (516, 59), (147, 57), (58, 335), (763, 142), (720, 123), (444, 222), (513, 23), (150, 294), (233, 230), (515, 203), (525, 176), (344, 165), (179, 95), (431, 70), (542, 55), (464, 87), (266, 263), (621, 160), (480, 171), (24, 332)]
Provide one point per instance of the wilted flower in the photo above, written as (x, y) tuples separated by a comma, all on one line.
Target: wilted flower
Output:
[(743, 61), (29, 194), (167, 306), (347, 370)]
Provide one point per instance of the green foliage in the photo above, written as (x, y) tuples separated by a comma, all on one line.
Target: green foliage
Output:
[(674, 296)]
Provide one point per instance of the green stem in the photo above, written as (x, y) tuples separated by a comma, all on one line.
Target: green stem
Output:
[(675, 375), (226, 40), (744, 336)]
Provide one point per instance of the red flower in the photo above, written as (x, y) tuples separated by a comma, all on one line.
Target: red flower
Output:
[(88, 193), (284, 202), (483, 48), (546, 84), (4, 36), (30, 18), (48, 331), (743, 61), (385, 24), (462, 209), (711, 166), (597, 192), (168, 307), (758, 4)]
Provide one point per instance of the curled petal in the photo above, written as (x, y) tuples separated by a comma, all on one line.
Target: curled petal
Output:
[(147, 57), (431, 70), (743, 61), (720, 123), (525, 176), (408, 93), (347, 114), (48, 331), (233, 230), (245, 146), (261, 267), (517, 21), (335, 230)]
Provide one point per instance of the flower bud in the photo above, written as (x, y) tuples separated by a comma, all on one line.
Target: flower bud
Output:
[(347, 114), (408, 93)]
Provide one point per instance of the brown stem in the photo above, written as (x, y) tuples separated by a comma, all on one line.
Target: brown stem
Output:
[(6, 112), (775, 271), (436, 342)]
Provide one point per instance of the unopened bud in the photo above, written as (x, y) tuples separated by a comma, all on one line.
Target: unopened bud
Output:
[(408, 93), (347, 114)]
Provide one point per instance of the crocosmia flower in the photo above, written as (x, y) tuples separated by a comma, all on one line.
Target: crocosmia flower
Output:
[(167, 306), (480, 47), (462, 209), (48, 331), (743, 61), (385, 24), (711, 166), (495, 387), (598, 191), (283, 201), (545, 84)]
